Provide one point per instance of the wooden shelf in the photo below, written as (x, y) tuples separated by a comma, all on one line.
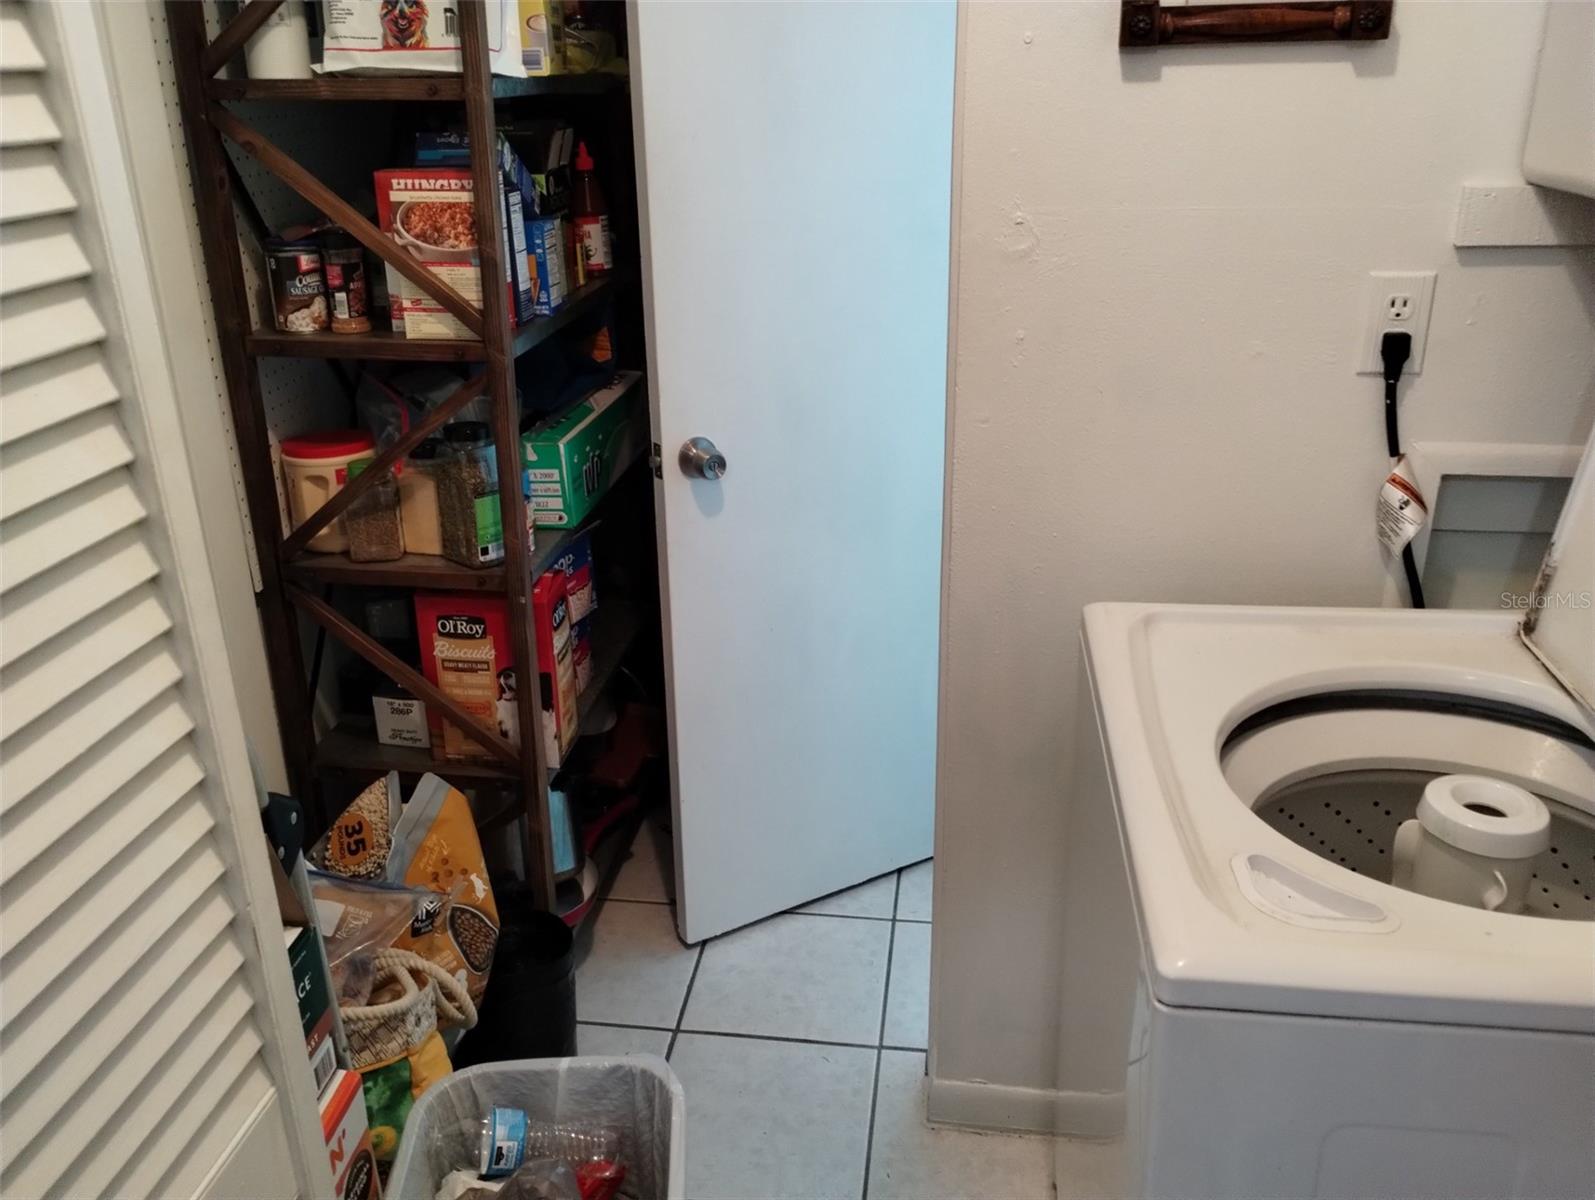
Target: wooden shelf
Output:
[(341, 87), (589, 83), (388, 345), (413, 570), (352, 746), (409, 88), (577, 305), (423, 570), (378, 344)]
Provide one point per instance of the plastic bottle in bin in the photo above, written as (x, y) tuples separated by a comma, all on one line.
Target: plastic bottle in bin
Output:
[(506, 1138)]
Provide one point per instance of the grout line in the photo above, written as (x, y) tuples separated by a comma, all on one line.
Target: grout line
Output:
[(685, 996), (775, 1037), (869, 1136), (792, 912), (625, 1025), (875, 1088), (891, 944), (889, 1046)]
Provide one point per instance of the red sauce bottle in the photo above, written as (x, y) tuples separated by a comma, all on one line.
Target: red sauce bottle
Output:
[(591, 214)]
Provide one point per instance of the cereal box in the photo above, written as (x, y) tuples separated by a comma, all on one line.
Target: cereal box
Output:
[(545, 254), (556, 664)]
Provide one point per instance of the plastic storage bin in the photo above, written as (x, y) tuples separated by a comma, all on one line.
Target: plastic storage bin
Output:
[(638, 1094)]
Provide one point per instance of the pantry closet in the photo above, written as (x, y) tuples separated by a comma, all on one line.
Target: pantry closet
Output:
[(350, 625), (768, 559)]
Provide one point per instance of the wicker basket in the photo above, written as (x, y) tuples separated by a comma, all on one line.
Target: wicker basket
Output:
[(433, 999)]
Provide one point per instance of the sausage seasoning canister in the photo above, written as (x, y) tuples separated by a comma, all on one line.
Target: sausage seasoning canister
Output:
[(298, 293)]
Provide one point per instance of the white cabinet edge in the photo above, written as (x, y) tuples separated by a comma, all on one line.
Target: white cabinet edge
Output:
[(1520, 214)]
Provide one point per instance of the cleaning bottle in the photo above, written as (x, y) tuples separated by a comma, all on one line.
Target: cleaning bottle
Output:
[(592, 216)]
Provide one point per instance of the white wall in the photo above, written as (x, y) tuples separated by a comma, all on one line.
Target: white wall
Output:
[(1160, 266)]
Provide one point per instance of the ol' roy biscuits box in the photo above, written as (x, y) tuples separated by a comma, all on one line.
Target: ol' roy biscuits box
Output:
[(467, 654), (431, 213)]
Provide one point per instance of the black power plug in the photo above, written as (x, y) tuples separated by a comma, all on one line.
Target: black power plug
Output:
[(1394, 350)]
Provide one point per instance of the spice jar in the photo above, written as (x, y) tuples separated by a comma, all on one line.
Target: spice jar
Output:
[(472, 524), (343, 264), (314, 466), (418, 498), (372, 521)]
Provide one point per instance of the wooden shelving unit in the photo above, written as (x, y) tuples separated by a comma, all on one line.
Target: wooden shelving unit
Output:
[(296, 583)]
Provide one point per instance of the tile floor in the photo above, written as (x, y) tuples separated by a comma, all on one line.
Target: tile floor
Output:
[(799, 1041)]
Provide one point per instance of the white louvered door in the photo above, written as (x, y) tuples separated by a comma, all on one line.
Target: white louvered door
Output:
[(149, 1044)]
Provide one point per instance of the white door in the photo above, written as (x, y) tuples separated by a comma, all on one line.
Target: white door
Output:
[(149, 1040), (795, 166)]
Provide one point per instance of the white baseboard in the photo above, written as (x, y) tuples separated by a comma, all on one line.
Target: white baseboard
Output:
[(1094, 1115), (973, 1104)]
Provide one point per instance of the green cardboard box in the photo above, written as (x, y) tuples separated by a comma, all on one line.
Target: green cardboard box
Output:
[(571, 461)]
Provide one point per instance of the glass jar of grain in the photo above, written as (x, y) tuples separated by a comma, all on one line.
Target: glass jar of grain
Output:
[(473, 526), (372, 521)]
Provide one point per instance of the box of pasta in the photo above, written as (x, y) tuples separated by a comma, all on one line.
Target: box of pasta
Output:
[(431, 213)]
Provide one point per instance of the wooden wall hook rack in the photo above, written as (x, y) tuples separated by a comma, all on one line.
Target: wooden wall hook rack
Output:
[(1149, 23)]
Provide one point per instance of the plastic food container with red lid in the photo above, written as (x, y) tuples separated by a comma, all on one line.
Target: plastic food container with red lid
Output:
[(315, 465)]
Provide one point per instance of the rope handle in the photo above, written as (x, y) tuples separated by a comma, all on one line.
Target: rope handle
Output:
[(454, 1002)]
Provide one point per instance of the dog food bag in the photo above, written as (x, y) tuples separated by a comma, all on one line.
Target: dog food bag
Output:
[(435, 846), (409, 37), (359, 841)]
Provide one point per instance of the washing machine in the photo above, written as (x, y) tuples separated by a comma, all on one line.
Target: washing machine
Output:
[(1300, 1024)]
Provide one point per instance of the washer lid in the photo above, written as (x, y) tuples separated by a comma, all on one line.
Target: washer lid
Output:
[(1559, 626)]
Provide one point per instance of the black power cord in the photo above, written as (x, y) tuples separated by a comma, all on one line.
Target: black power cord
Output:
[(1394, 350)]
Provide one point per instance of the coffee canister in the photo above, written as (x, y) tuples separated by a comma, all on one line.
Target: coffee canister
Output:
[(298, 293)]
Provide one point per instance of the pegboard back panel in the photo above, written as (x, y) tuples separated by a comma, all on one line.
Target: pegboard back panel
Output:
[(297, 394)]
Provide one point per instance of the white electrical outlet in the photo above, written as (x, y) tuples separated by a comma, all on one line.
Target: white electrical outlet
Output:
[(1396, 300)]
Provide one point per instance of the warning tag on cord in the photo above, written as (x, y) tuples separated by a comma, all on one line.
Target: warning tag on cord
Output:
[(1402, 511)]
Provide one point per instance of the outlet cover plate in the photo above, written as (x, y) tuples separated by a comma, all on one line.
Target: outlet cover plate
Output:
[(1382, 285)]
